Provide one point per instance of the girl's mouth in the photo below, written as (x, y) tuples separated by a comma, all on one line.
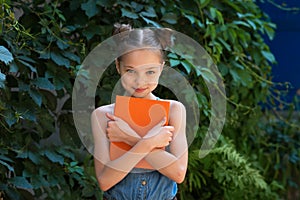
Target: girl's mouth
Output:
[(140, 90)]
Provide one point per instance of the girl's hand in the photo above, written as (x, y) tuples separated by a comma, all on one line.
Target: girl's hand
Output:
[(160, 135), (119, 131)]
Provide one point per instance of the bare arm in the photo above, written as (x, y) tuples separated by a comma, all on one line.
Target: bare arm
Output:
[(110, 172), (173, 164), (118, 130)]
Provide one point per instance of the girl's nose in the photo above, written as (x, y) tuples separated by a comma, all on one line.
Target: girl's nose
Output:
[(140, 80)]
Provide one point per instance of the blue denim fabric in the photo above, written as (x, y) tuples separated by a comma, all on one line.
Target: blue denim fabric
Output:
[(143, 184)]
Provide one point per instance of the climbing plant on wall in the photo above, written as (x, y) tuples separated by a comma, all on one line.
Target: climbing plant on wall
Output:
[(42, 46)]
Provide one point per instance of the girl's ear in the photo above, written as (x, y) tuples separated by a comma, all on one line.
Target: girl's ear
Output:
[(162, 66), (118, 66)]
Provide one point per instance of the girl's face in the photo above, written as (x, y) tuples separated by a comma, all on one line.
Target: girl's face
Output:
[(140, 71)]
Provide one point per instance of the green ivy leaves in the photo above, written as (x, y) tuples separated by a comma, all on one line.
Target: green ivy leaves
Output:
[(41, 55)]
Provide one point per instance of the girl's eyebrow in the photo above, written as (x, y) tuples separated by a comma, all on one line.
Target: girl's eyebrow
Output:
[(150, 66), (128, 66)]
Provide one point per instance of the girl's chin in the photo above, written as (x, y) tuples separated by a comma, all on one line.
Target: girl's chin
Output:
[(139, 95)]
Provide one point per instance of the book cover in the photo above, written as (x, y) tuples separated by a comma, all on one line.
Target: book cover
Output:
[(141, 115)]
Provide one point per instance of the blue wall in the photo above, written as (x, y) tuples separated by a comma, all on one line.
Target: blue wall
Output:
[(286, 44)]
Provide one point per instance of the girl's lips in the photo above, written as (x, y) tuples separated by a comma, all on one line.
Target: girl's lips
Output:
[(139, 90)]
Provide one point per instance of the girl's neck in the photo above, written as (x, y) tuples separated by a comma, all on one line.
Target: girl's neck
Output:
[(149, 96)]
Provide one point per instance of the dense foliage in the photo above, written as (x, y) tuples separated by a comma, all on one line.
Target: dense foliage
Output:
[(42, 45)]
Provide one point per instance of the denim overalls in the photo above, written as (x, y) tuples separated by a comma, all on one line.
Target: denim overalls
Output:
[(143, 184)]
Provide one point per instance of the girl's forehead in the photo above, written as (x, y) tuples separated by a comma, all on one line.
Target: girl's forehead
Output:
[(142, 57), (148, 66)]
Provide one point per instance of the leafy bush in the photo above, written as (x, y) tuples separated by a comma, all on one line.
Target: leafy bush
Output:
[(42, 45)]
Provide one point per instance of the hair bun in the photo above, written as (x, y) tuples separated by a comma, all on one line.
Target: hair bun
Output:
[(164, 35), (119, 28)]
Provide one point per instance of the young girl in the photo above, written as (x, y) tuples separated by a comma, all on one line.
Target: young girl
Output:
[(164, 147)]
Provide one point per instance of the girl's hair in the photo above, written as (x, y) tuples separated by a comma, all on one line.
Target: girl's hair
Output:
[(129, 38)]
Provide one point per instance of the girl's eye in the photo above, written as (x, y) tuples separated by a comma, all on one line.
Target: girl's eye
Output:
[(130, 71), (150, 72)]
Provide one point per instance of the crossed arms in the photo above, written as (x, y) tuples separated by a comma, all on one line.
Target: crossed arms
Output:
[(109, 128)]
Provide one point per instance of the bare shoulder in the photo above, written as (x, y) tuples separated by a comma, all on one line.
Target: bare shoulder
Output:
[(176, 106), (177, 114)]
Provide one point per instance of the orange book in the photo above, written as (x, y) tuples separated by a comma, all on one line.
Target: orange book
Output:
[(141, 115)]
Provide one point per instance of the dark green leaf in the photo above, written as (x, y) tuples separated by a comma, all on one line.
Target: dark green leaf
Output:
[(5, 55), (13, 67), (39, 181), (238, 65), (51, 99), (220, 17), (13, 194), (213, 12), (58, 83), (104, 3), (204, 3), (26, 58), (225, 44), (245, 78), (269, 56), (172, 55), (9, 167), (90, 8), (43, 83), (20, 182), (187, 66), (59, 59), (3, 157), (23, 86), (245, 15), (36, 96), (232, 35), (88, 191), (191, 18), (54, 157), (136, 6), (150, 12), (2, 80), (26, 112), (45, 55), (171, 18), (67, 153), (235, 75), (148, 21), (46, 124), (71, 56), (90, 31), (252, 24), (173, 62), (67, 135), (27, 65), (34, 157), (270, 32), (208, 75), (129, 14), (10, 118), (62, 44), (241, 23)]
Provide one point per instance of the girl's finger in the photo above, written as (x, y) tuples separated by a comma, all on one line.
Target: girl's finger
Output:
[(163, 121), (110, 116)]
